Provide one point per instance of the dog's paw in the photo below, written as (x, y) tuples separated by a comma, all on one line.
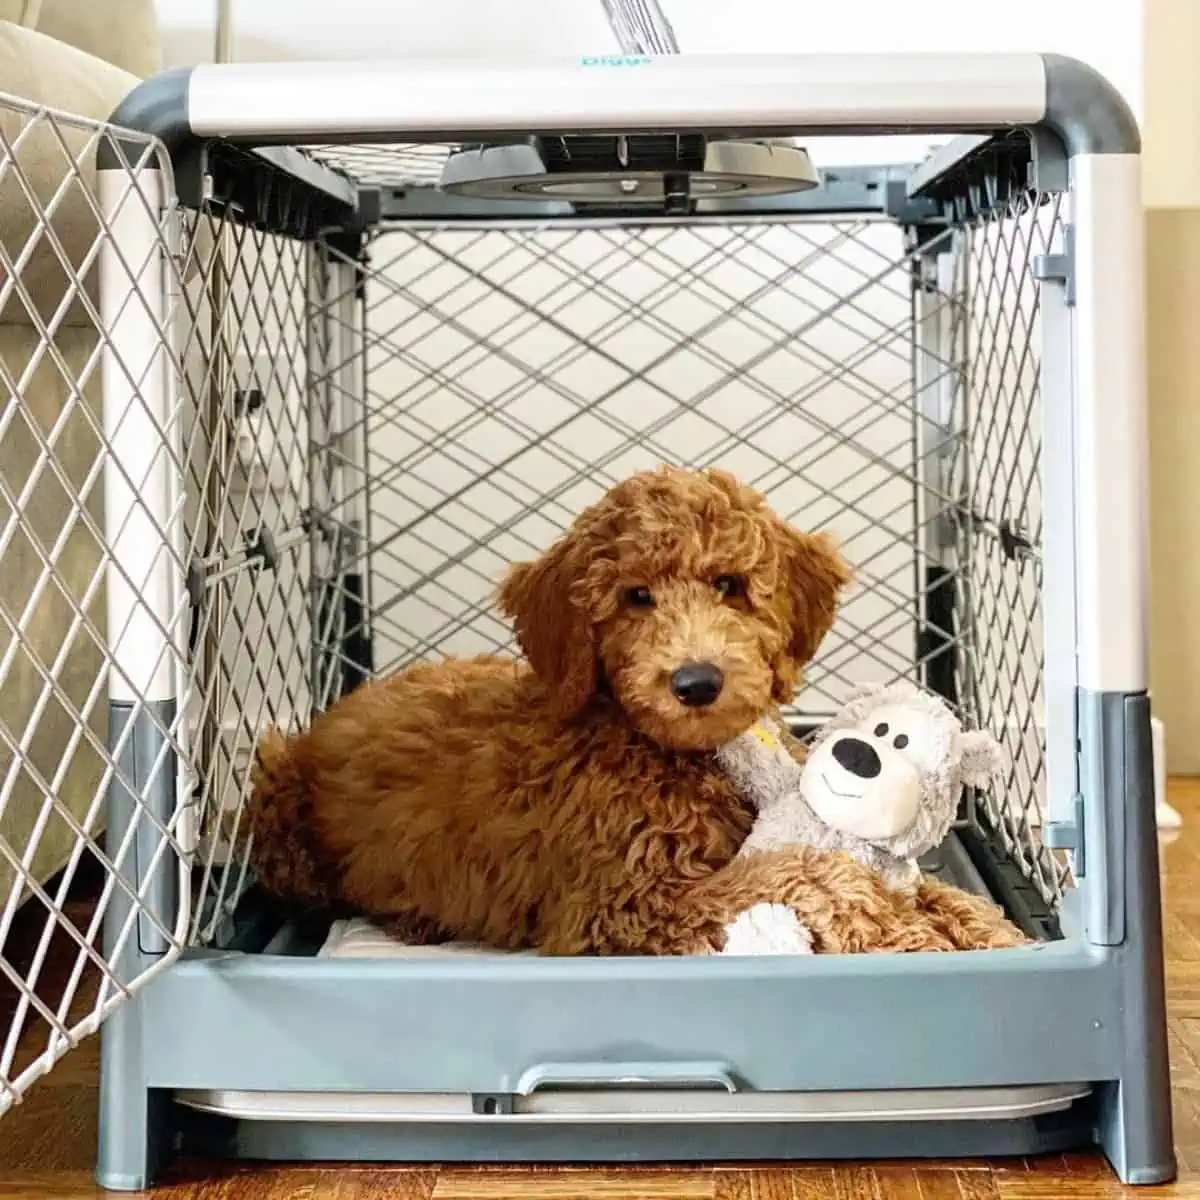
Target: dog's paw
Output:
[(767, 929)]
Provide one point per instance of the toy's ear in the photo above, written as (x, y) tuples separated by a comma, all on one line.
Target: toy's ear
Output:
[(812, 577), (555, 634), (865, 691), (981, 758)]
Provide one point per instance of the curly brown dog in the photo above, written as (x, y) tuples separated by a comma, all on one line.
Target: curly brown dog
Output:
[(573, 804)]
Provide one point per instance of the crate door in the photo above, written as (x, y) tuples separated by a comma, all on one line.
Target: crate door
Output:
[(94, 745)]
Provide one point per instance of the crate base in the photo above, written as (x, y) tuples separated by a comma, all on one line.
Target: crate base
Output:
[(636, 1142)]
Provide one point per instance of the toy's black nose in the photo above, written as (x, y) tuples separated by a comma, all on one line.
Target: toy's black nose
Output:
[(697, 684), (857, 756)]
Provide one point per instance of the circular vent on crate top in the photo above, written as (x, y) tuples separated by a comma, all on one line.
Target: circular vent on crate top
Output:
[(666, 171)]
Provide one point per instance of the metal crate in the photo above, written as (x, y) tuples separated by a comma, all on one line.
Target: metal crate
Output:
[(337, 400)]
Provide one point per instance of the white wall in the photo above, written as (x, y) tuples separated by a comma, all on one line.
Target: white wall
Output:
[(1172, 193)]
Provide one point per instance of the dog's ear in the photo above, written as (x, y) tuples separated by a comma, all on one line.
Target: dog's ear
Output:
[(554, 633), (811, 579)]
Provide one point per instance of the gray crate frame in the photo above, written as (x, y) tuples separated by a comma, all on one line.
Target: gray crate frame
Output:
[(1085, 1008)]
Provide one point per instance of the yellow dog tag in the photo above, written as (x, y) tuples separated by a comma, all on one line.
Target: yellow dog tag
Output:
[(765, 736)]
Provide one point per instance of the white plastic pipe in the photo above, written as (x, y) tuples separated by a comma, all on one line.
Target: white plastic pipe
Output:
[(140, 495), (1112, 527), (311, 101)]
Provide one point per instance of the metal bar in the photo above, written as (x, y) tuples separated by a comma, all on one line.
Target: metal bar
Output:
[(944, 160), (785, 94), (843, 192), (933, 446)]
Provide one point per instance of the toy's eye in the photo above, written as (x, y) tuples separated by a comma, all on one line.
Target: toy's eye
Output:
[(729, 586), (639, 597), (901, 741), (881, 730)]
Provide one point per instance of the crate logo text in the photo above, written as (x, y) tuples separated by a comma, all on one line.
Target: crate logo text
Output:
[(615, 60)]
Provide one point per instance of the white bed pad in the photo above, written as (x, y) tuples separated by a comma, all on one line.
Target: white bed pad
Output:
[(358, 938)]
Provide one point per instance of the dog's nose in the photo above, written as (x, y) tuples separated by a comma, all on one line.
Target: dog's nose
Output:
[(857, 756), (697, 684)]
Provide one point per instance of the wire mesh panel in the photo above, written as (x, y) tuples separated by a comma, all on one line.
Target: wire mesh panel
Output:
[(515, 371), (514, 375), (246, 379), (255, 347), (156, 413), (63, 756), (998, 470)]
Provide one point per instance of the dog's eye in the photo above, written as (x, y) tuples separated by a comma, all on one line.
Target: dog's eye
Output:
[(729, 586), (901, 741), (639, 597), (881, 730)]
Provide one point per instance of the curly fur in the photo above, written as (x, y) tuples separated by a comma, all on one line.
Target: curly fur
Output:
[(572, 804)]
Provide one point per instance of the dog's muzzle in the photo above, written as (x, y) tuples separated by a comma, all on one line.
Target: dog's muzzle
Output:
[(697, 684)]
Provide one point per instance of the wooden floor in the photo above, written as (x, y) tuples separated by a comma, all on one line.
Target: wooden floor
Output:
[(47, 1145)]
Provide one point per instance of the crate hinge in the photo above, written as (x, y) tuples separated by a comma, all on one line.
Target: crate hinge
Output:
[(1068, 835), (1059, 268)]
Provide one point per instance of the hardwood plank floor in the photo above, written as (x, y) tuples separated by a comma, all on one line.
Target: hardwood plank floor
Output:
[(48, 1143)]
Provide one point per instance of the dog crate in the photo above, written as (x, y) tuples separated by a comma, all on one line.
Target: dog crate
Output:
[(366, 333)]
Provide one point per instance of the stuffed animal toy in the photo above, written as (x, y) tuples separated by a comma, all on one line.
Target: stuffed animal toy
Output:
[(882, 782)]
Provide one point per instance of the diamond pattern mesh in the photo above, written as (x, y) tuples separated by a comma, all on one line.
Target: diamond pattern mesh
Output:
[(233, 340), (59, 757), (513, 376), (354, 469), (245, 369), (394, 166), (997, 468)]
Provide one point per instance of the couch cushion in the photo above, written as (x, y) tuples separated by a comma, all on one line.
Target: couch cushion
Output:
[(49, 154), (53, 635), (121, 32)]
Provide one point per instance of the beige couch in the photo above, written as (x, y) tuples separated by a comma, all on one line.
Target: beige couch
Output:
[(80, 57)]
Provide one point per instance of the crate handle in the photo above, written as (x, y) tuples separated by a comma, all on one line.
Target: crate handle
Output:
[(707, 1075)]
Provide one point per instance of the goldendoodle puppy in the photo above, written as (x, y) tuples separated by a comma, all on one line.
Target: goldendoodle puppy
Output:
[(573, 804)]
